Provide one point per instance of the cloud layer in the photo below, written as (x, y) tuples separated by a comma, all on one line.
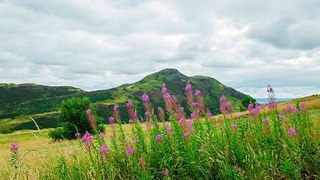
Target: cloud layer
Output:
[(100, 44)]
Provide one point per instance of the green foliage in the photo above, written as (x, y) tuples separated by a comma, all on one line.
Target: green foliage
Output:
[(247, 100), (73, 118)]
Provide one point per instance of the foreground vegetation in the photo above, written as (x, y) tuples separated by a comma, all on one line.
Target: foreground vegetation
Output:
[(271, 142)]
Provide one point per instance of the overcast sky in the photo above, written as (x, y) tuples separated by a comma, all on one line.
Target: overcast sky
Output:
[(96, 44)]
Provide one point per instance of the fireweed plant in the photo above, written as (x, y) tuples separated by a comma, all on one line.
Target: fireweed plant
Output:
[(266, 144)]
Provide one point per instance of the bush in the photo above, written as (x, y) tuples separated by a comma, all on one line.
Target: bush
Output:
[(73, 118), (246, 101)]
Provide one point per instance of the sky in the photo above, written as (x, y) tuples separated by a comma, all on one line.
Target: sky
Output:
[(100, 44)]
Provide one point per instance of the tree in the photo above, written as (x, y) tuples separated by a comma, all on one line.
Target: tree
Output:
[(73, 118), (247, 100)]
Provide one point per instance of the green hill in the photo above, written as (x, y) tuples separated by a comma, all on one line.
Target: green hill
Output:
[(24, 99)]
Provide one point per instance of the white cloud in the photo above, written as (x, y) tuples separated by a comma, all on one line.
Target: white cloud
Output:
[(100, 44)]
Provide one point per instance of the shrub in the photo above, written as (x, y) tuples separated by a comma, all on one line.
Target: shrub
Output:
[(73, 118), (247, 100)]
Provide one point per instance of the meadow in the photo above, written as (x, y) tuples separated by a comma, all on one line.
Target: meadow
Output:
[(274, 141)]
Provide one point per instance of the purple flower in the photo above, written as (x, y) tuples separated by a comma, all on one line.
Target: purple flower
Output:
[(89, 111), (250, 107), (115, 107), (228, 104), (176, 115), (222, 99), (181, 109), (130, 151), (168, 127), (181, 120), (111, 120), (165, 172), (292, 131), (77, 135), (238, 116), (14, 147), (129, 105), (195, 104), (145, 98), (234, 126), (111, 136), (104, 149), (130, 121), (147, 113), (87, 137), (209, 114), (197, 93), (296, 111), (164, 89), (189, 123), (168, 97), (303, 107), (186, 134), (193, 115), (188, 86), (159, 137), (101, 135)]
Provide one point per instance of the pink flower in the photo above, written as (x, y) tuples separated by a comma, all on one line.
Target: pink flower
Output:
[(115, 107), (209, 114), (186, 134), (238, 116), (222, 99), (250, 107), (147, 113), (101, 135), (197, 93), (296, 111), (303, 107), (228, 104), (189, 123), (129, 105), (181, 120), (111, 120), (89, 111), (159, 137), (130, 151), (164, 89), (234, 126), (77, 135), (181, 109), (130, 121), (168, 127), (111, 136), (104, 149), (145, 98), (195, 104), (87, 137), (14, 147), (188, 86), (165, 172), (292, 131), (193, 115)]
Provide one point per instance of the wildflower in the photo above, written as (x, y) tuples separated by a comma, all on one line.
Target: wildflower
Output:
[(250, 107), (115, 107), (104, 149), (181, 109), (101, 135), (188, 86), (193, 115), (292, 131), (111, 120), (89, 111), (168, 127), (303, 107), (189, 123), (228, 104), (209, 114), (130, 151), (129, 105), (233, 126), (296, 111), (186, 134), (164, 89), (87, 137), (222, 99), (14, 147), (165, 172), (202, 149), (145, 98), (195, 104), (77, 135), (159, 137), (168, 97), (147, 113), (111, 136), (181, 120), (176, 115), (238, 116), (197, 93)]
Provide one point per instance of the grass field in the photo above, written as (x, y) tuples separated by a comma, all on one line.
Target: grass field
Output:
[(40, 157)]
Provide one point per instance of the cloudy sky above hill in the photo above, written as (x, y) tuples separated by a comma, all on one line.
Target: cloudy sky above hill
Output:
[(99, 44)]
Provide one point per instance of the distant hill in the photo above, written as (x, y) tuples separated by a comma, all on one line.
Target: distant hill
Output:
[(24, 99)]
